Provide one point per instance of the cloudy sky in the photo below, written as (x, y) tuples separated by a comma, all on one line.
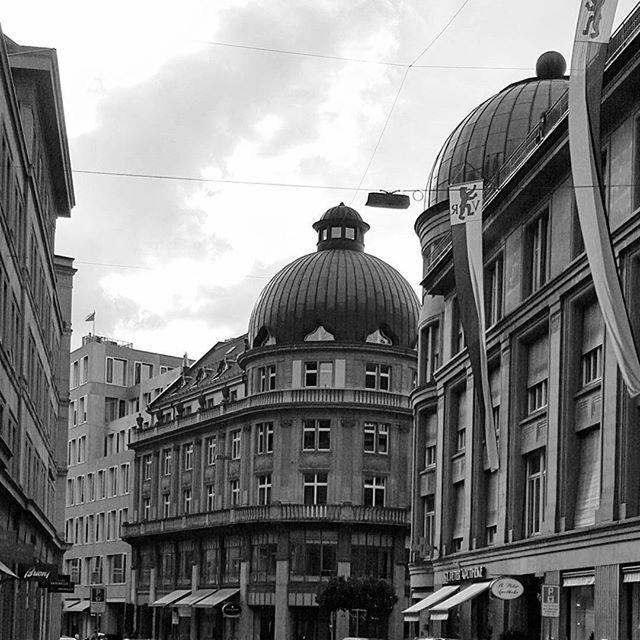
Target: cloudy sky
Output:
[(204, 90)]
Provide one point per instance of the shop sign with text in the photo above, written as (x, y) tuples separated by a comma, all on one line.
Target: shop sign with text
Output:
[(506, 588), (465, 573)]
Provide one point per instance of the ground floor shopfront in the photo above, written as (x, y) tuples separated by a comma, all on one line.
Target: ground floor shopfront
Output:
[(575, 586), (117, 619)]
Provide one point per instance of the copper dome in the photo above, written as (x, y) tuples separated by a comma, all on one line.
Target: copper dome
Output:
[(347, 292), (490, 133)]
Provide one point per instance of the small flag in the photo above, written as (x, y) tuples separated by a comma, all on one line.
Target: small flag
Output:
[(91, 317)]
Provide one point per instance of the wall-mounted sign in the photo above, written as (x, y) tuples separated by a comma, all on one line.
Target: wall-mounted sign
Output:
[(506, 588), (97, 600), (550, 601), (39, 571), (466, 573), (231, 610)]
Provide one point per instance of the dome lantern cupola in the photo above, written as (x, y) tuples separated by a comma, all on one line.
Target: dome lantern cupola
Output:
[(341, 227)]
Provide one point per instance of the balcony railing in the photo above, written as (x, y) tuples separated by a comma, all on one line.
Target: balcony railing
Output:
[(276, 513), (368, 397)]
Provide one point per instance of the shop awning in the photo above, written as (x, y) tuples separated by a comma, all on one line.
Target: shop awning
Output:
[(83, 605), (631, 574), (68, 605), (216, 598), (412, 614), (578, 580), (441, 610), (170, 598), (194, 597), (4, 569)]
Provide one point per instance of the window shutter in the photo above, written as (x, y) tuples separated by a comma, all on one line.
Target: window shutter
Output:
[(538, 361), (296, 374), (588, 494), (492, 498), (592, 327), (458, 518), (339, 374)]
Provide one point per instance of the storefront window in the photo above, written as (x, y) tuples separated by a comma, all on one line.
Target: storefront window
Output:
[(581, 613)]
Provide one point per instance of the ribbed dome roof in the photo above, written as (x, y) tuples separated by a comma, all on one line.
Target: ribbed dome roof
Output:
[(487, 136), (348, 292)]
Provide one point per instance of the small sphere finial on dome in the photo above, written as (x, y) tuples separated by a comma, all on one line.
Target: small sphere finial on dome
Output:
[(551, 65)]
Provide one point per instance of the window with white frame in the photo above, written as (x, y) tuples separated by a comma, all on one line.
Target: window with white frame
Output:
[(147, 466), (188, 456), (459, 402), (70, 493), (267, 378), (146, 508), (236, 442), (80, 490), (75, 374), (102, 484), (234, 489), (211, 444), (494, 291), (318, 374), (95, 569), (537, 374), (316, 435), (429, 350), (84, 370), (117, 568), (116, 371), (142, 371), (113, 481), (68, 530), (82, 449), (166, 505), (186, 501), (124, 478), (166, 462), (534, 492), (74, 570), (315, 488), (374, 491), (211, 497), (264, 489), (428, 524), (111, 525), (536, 253), (91, 486), (377, 376), (82, 409), (376, 437), (592, 339), (264, 432), (100, 527)]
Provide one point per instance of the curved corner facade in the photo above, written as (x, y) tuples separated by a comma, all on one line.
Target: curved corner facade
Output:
[(561, 515)]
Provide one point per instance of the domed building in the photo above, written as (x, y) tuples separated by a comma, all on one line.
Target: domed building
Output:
[(282, 458), (558, 521)]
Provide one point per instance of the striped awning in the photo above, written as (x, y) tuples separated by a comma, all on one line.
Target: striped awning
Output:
[(82, 605), (412, 614), (631, 574), (4, 569), (170, 598), (216, 598), (441, 610), (578, 579), (193, 597)]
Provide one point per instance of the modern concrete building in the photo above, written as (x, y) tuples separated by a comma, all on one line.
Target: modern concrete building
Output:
[(561, 514), (35, 310), (111, 385), (281, 458)]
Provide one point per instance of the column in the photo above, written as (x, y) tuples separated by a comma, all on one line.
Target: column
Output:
[(282, 625)]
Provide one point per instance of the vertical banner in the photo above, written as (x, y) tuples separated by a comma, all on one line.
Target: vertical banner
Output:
[(588, 59), (465, 210)]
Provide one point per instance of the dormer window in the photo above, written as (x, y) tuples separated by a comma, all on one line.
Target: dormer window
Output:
[(349, 233), (323, 234), (336, 232)]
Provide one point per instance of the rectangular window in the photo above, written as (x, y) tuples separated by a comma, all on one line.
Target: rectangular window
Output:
[(535, 492), (142, 371), (536, 253), (146, 508), (84, 370), (429, 350), (166, 462), (591, 366), (75, 374), (80, 490), (376, 437), (113, 481), (116, 371), (212, 442), (264, 489), (263, 557), (236, 442), (100, 527), (318, 374), (186, 501), (211, 497), (267, 378), (117, 568), (147, 465), (102, 484), (316, 435), (537, 374), (592, 339), (82, 449), (124, 478), (166, 505), (429, 525), (265, 437), (234, 489), (377, 376), (457, 330), (430, 453), (315, 488), (111, 525), (313, 554), (188, 456), (91, 487), (82, 409), (374, 490), (74, 569), (95, 565), (494, 291)]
